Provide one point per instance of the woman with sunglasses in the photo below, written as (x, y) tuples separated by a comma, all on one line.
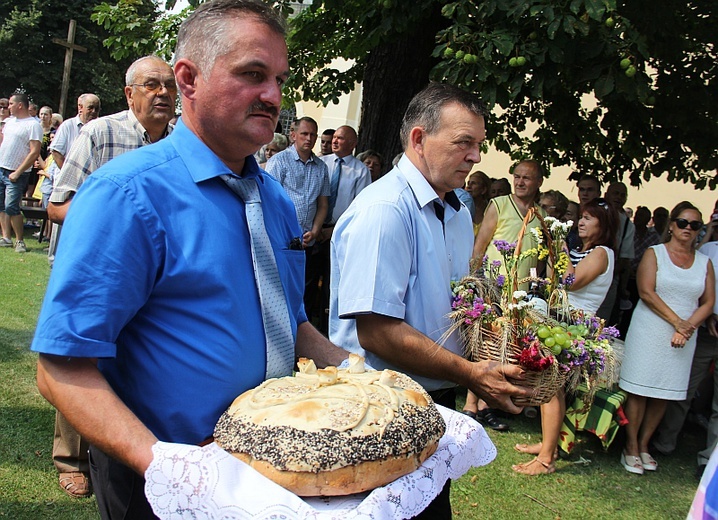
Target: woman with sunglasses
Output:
[(592, 267), (676, 286)]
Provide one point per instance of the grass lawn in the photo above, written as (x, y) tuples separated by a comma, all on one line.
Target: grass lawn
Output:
[(591, 484)]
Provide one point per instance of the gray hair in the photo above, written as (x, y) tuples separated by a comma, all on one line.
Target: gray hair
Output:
[(204, 35), (132, 69), (280, 141), (425, 109)]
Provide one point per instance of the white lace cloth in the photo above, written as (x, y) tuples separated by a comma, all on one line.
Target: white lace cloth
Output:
[(186, 481)]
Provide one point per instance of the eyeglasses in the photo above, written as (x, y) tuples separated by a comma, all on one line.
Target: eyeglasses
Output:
[(546, 207), (4, 107), (154, 86), (683, 224)]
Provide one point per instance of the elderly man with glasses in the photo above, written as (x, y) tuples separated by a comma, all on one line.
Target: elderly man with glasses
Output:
[(151, 92)]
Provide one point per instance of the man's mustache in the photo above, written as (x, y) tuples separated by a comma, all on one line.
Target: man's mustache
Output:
[(263, 107)]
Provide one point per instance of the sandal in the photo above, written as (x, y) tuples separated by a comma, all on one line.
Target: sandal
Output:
[(487, 416), (76, 484), (530, 468), (632, 464), (648, 462)]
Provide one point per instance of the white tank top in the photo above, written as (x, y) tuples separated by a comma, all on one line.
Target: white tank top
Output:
[(591, 296)]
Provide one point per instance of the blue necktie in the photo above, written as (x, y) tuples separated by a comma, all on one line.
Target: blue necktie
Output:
[(334, 185), (275, 314)]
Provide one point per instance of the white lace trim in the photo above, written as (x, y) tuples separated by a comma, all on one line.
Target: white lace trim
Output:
[(188, 482)]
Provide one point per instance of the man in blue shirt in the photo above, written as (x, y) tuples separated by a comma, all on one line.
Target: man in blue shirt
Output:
[(152, 335), (396, 250), (305, 178)]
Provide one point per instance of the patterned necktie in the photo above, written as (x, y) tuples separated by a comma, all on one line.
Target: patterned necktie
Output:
[(275, 314), (334, 185)]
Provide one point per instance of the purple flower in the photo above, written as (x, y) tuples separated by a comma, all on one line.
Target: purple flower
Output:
[(500, 280), (504, 247), (610, 332)]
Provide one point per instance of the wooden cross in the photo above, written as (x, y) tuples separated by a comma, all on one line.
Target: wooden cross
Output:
[(70, 47)]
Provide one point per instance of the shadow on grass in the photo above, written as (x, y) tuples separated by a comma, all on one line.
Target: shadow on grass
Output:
[(28, 433)]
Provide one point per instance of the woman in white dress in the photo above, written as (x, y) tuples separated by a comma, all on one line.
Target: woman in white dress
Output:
[(676, 285), (592, 266)]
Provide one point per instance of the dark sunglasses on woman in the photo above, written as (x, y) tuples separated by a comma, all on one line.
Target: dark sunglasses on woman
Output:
[(683, 224)]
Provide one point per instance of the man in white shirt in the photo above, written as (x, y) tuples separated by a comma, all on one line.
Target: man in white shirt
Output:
[(347, 177), (21, 139), (88, 108), (396, 250)]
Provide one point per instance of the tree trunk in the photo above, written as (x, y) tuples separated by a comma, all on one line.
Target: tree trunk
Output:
[(394, 73)]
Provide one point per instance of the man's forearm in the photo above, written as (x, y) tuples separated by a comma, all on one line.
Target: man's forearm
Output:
[(321, 215), (399, 344), (311, 344), (80, 392), (57, 211), (59, 158)]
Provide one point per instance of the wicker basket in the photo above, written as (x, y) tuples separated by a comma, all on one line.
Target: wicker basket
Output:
[(485, 343), (498, 341)]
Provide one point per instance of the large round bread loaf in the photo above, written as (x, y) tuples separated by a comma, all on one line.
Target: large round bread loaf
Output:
[(332, 432)]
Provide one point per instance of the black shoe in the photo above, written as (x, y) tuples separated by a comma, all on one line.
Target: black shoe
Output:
[(471, 414), (489, 418)]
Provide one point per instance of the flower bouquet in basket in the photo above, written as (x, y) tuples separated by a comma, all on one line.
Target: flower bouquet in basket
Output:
[(557, 346)]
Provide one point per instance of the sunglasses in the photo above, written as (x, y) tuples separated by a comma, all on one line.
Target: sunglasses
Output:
[(683, 224)]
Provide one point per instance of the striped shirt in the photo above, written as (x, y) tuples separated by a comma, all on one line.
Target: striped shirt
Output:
[(99, 141), (576, 256), (303, 182)]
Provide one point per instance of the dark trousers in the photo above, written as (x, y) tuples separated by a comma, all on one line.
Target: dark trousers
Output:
[(440, 507), (120, 492), (312, 273)]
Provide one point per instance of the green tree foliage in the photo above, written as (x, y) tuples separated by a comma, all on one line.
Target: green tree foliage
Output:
[(652, 72), (621, 89), (33, 63)]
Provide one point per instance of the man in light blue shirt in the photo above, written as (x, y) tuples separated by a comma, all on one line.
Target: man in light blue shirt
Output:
[(306, 180), (399, 245)]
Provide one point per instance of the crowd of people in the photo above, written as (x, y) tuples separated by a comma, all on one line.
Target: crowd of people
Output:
[(651, 276), (199, 294)]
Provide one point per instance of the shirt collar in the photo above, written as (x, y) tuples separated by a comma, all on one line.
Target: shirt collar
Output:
[(423, 191), (295, 155), (141, 129), (203, 163)]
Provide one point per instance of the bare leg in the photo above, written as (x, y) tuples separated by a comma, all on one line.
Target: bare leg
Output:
[(472, 402), (17, 222), (635, 411), (655, 408), (5, 224), (551, 419)]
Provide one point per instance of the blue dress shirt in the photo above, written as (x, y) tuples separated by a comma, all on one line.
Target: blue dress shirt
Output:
[(154, 277)]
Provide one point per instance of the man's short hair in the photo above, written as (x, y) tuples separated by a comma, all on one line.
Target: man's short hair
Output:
[(531, 162), (132, 69), (305, 119), (591, 178), (425, 109), (203, 36), (21, 97), (83, 98), (328, 131)]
